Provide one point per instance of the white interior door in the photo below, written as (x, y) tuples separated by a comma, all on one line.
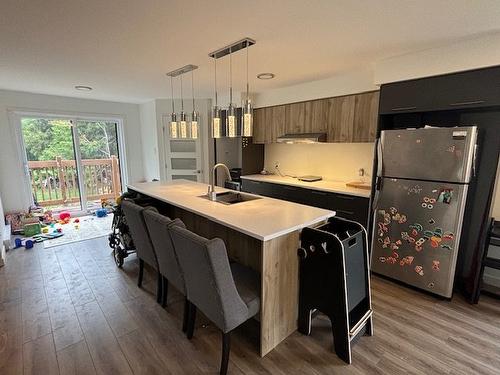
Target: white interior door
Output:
[(183, 157)]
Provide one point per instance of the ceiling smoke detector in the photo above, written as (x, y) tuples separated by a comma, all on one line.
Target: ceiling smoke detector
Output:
[(83, 88), (265, 76)]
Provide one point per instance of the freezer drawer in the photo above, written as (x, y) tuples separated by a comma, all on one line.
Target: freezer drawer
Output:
[(416, 234), (437, 154)]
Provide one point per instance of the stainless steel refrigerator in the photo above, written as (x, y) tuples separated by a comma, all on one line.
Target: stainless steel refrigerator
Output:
[(419, 203)]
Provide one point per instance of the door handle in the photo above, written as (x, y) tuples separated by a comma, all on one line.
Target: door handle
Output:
[(472, 102), (403, 108), (347, 198)]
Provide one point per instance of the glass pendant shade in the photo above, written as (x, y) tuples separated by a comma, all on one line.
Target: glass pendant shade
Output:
[(194, 125), (216, 123), (183, 128), (173, 126), (247, 119), (231, 130)]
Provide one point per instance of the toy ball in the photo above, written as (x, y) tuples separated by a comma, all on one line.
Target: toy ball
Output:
[(29, 244), (64, 215), (101, 212)]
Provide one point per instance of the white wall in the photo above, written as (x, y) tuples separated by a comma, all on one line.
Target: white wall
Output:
[(149, 135), (469, 54), (11, 173), (342, 84)]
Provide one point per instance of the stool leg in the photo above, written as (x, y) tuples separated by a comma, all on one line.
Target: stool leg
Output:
[(341, 339), (191, 320), (164, 290), (186, 315), (159, 293), (226, 349), (141, 273)]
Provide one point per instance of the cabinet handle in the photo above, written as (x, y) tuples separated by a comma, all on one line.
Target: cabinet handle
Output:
[(472, 102), (403, 108), (289, 188), (345, 212)]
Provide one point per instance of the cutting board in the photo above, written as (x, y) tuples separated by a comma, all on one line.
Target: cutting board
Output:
[(359, 185)]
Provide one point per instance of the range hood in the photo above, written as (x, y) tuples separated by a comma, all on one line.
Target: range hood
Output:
[(302, 138)]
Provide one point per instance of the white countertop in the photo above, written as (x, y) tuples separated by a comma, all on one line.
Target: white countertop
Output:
[(264, 218), (323, 185)]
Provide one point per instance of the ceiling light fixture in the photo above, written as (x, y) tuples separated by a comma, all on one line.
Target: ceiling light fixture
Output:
[(173, 116), (216, 125), (83, 88), (182, 122), (265, 76), (247, 110), (194, 115), (232, 125), (179, 129)]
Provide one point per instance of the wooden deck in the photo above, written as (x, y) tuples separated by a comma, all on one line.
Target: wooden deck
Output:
[(69, 310)]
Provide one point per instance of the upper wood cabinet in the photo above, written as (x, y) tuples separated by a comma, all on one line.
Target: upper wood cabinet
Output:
[(350, 118)]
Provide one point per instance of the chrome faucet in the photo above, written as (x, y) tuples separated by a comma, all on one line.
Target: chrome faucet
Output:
[(212, 195)]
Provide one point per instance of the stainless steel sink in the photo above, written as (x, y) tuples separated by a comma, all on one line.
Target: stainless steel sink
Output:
[(230, 197)]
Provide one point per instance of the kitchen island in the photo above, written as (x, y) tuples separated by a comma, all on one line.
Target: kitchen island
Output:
[(262, 234)]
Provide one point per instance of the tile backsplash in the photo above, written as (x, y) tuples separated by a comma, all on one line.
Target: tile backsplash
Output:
[(332, 161)]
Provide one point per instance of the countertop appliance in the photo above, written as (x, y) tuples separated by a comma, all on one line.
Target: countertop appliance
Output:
[(241, 156), (309, 178), (419, 203)]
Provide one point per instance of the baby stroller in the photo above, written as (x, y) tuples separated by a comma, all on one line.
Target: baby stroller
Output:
[(120, 239)]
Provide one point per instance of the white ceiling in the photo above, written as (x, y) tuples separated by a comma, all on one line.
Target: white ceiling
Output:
[(123, 48)]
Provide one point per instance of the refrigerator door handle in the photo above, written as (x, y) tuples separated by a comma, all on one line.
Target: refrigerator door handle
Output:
[(474, 161), (379, 157)]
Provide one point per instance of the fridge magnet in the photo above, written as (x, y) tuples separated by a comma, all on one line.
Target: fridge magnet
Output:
[(434, 190), (405, 236), (402, 262), (394, 247), (402, 219), (380, 240), (420, 241), (435, 265), (438, 232), (445, 196), (432, 221), (419, 270), (411, 240), (399, 243), (418, 227), (387, 242), (395, 255), (445, 246), (428, 234), (430, 285), (434, 243), (393, 210), (430, 206), (415, 190), (390, 260), (448, 236), (409, 259), (382, 259), (418, 248)]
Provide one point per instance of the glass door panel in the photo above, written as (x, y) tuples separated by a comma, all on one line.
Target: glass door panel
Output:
[(51, 163), (100, 161)]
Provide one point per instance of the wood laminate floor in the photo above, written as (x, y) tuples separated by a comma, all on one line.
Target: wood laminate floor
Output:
[(70, 310)]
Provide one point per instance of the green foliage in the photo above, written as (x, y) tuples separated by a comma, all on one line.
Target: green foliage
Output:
[(47, 139)]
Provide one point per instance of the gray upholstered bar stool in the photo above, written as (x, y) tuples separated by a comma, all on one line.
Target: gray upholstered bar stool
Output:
[(227, 294), (143, 245), (168, 263)]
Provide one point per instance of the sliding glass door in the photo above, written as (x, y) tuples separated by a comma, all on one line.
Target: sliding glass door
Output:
[(71, 164)]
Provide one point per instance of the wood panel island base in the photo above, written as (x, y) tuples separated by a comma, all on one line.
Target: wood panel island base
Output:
[(261, 233)]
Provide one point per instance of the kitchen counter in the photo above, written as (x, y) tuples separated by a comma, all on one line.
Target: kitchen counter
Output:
[(263, 234), (263, 219), (323, 185)]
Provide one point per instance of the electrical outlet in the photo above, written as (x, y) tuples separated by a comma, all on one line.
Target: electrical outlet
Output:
[(361, 172), (276, 164)]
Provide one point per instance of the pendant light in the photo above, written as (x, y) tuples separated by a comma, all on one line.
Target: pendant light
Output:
[(216, 123), (247, 111), (183, 122), (231, 112), (173, 116), (194, 115)]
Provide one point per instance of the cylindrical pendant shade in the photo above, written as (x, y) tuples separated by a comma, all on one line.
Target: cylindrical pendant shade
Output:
[(231, 124), (194, 125), (183, 129), (247, 119), (216, 123), (173, 133)]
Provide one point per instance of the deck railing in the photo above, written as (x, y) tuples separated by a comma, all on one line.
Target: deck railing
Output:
[(55, 182)]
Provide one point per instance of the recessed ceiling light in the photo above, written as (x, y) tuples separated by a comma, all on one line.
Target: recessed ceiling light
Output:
[(265, 76), (83, 88)]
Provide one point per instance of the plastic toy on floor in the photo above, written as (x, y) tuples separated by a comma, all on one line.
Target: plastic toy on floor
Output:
[(24, 242)]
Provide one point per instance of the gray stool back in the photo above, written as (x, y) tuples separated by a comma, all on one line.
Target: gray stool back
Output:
[(168, 263), (135, 221)]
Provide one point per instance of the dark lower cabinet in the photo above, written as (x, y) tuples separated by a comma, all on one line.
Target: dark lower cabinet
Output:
[(346, 206)]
